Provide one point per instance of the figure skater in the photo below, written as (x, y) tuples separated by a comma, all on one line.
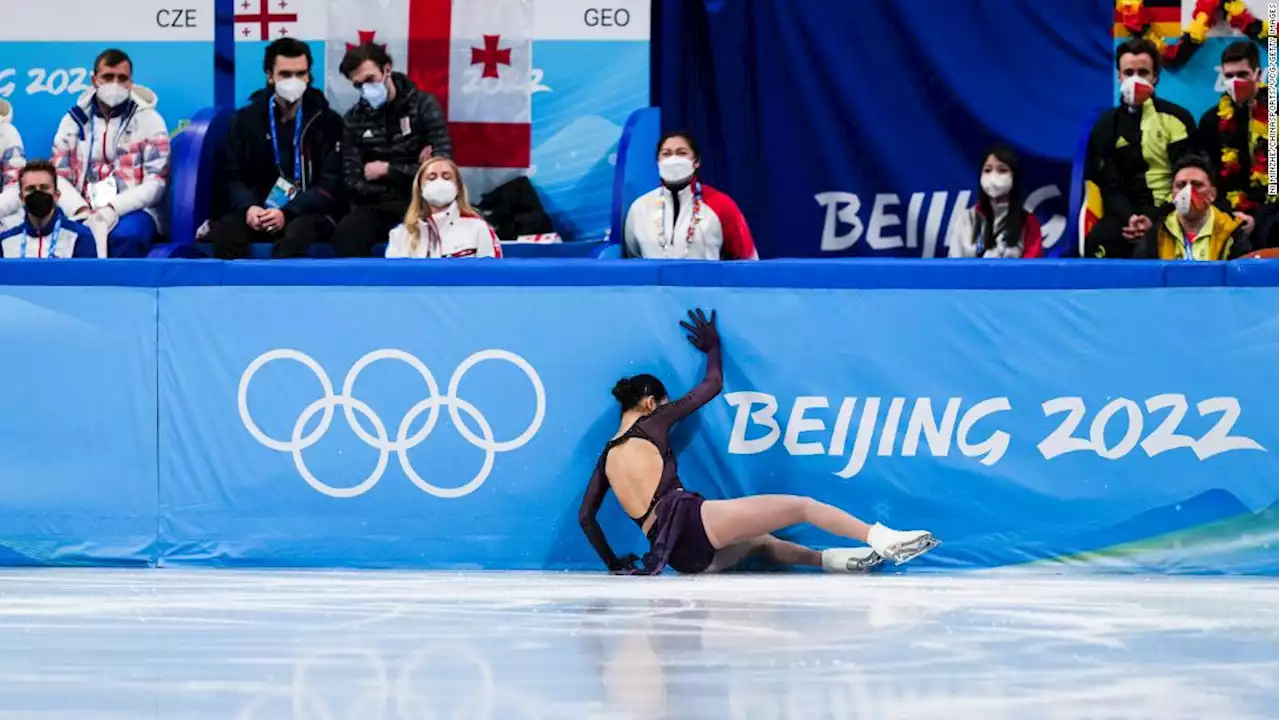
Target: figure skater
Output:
[(694, 535)]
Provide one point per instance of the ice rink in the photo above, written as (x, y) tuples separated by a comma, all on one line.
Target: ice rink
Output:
[(509, 646)]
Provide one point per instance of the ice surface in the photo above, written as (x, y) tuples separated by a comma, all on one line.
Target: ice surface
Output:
[(373, 645)]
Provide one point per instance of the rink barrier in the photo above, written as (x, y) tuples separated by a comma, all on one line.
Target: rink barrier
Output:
[(1105, 416)]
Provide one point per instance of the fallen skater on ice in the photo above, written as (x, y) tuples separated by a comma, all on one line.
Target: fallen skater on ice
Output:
[(694, 535)]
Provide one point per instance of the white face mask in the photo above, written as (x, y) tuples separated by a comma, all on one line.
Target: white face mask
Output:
[(1188, 202), (112, 94), (1182, 200), (996, 185), (1135, 91), (675, 169), (290, 89), (439, 192)]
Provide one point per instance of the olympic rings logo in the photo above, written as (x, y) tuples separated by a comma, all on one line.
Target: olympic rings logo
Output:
[(380, 441)]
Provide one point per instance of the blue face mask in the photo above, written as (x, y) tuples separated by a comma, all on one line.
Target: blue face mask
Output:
[(374, 93)]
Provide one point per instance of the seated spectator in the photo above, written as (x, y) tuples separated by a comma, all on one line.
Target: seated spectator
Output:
[(284, 166), (1234, 134), (440, 223), (11, 161), (45, 232), (390, 132), (1132, 150), (683, 217), (112, 153), (1015, 233), (1192, 228)]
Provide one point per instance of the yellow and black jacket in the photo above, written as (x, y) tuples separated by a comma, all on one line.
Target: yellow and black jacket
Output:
[(1222, 238), (1132, 153)]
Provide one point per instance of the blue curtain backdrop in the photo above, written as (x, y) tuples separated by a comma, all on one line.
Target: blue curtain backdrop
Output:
[(868, 97)]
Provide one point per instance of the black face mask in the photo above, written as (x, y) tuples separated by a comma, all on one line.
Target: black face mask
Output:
[(39, 204)]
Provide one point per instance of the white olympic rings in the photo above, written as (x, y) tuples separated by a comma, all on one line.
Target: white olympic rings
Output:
[(379, 440)]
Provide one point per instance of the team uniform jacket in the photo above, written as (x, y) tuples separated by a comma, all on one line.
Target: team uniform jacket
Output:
[(654, 231), (1221, 238), (12, 160), (964, 236), (71, 240), (459, 237), (136, 143), (1132, 154)]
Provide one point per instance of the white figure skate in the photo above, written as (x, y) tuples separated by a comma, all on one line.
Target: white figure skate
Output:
[(850, 560), (900, 545)]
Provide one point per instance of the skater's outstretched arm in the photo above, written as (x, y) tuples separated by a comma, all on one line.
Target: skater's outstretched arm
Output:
[(702, 335), (596, 490)]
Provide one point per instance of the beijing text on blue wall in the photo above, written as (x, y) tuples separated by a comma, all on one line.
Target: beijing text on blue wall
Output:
[(445, 416)]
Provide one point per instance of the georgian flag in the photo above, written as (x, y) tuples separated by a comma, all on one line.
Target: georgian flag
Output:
[(475, 56)]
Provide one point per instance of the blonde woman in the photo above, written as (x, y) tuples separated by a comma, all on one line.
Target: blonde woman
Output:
[(440, 223)]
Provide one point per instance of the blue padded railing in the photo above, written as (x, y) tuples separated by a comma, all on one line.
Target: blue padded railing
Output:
[(636, 171), (193, 177), (835, 273)]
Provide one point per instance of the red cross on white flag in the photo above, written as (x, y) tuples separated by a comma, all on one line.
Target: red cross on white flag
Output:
[(475, 56), (265, 19)]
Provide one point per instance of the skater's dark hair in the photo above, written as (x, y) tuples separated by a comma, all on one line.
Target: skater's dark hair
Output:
[(631, 390)]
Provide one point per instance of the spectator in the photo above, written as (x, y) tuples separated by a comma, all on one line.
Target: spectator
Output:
[(11, 161), (392, 130), (1132, 149), (1234, 133), (1192, 228), (45, 231), (972, 234), (683, 217), (440, 222), (112, 153), (284, 165)]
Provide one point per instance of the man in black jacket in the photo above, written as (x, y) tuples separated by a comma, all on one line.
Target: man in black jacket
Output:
[(1132, 151), (1233, 133), (390, 132), (284, 165)]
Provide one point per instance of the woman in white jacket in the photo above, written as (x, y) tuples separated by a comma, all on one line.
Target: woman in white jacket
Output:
[(440, 223), (684, 218)]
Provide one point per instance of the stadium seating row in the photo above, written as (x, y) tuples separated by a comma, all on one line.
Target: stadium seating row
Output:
[(195, 170)]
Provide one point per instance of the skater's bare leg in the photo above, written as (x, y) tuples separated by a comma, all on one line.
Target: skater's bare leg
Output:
[(733, 521), (775, 550), (783, 552), (728, 522)]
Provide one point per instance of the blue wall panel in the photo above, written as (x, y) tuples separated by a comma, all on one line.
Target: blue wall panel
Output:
[(78, 477), (1122, 417)]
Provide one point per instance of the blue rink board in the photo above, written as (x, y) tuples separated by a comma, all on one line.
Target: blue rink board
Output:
[(1116, 416), (799, 274)]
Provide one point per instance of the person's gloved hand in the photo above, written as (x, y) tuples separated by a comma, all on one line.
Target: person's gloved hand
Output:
[(702, 332), (626, 565), (107, 216), (101, 222)]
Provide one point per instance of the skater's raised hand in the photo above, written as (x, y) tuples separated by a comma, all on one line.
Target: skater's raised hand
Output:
[(702, 332)]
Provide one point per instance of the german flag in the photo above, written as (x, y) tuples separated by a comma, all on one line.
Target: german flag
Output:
[(1091, 213), (1165, 17)]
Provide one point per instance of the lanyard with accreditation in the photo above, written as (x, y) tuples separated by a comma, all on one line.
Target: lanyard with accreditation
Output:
[(285, 188), (53, 241)]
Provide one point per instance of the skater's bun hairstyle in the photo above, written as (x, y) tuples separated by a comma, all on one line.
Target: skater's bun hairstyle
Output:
[(631, 390)]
